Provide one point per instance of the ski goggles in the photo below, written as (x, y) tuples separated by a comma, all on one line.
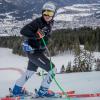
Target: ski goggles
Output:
[(48, 13)]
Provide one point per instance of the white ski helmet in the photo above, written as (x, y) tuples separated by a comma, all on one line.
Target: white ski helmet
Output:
[(49, 6)]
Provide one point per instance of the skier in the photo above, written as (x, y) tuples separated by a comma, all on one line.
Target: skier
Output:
[(34, 48)]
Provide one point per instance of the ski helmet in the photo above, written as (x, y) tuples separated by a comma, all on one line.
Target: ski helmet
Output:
[(49, 6)]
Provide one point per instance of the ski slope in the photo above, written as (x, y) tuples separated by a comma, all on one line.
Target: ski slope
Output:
[(86, 82)]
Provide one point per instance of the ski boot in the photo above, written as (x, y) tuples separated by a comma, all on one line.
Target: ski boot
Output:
[(19, 91), (43, 92)]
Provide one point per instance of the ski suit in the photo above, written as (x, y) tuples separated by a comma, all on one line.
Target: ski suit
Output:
[(37, 58)]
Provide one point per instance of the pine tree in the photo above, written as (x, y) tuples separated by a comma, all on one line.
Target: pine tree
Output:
[(68, 68), (84, 60), (62, 70), (98, 65)]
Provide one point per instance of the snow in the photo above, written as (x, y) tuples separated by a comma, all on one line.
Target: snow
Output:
[(77, 8), (60, 10), (97, 55), (16, 61), (64, 17), (4, 35), (84, 82), (83, 10), (70, 17), (63, 59)]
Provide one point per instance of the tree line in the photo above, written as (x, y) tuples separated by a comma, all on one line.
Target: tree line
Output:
[(61, 40), (69, 39)]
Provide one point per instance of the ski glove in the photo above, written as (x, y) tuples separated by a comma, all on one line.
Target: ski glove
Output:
[(41, 37), (40, 34), (26, 47)]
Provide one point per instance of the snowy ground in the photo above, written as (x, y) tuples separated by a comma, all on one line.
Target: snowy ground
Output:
[(86, 82)]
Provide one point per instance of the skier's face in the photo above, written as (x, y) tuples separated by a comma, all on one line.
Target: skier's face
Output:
[(48, 15), (47, 18)]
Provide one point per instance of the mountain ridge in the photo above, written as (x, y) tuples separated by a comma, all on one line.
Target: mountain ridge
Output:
[(14, 14), (23, 9)]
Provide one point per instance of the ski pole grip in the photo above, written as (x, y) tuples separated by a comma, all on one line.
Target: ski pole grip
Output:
[(40, 35)]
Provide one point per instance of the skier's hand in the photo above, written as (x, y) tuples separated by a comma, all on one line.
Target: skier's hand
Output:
[(40, 34)]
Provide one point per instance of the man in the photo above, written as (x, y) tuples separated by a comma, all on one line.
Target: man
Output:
[(34, 48)]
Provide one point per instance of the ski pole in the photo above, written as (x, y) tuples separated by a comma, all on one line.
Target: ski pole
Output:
[(59, 86)]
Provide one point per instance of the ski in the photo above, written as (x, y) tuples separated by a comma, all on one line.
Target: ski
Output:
[(10, 98), (32, 96), (84, 95), (72, 94), (68, 94)]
